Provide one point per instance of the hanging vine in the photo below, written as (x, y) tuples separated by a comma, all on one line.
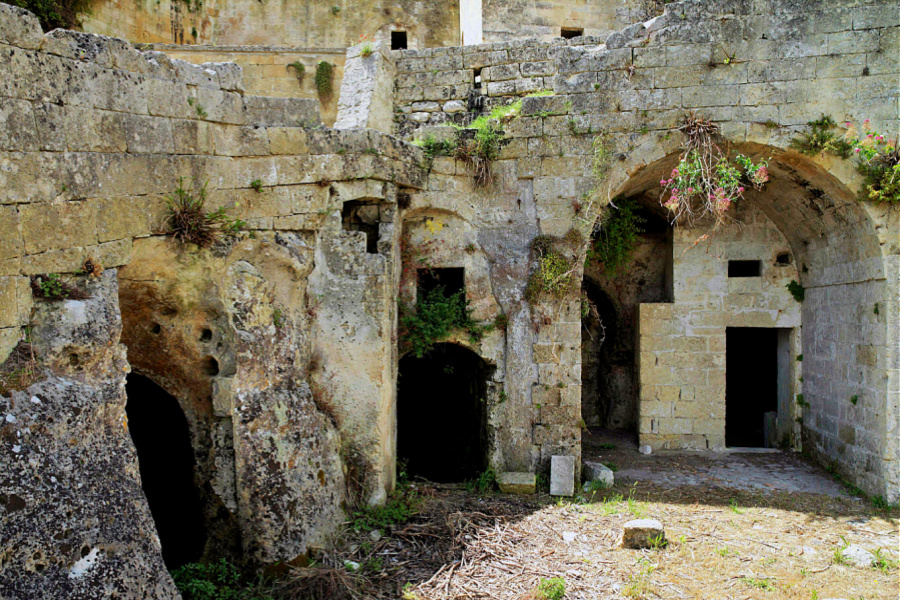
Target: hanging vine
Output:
[(709, 177)]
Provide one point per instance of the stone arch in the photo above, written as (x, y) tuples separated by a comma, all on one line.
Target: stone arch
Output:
[(847, 265)]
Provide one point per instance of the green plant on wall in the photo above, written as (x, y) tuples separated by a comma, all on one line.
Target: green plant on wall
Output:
[(797, 290), (435, 317), (299, 69), (189, 221), (554, 272), (324, 80), (617, 234), (877, 156)]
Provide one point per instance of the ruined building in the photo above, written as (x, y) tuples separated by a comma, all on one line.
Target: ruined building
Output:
[(272, 377)]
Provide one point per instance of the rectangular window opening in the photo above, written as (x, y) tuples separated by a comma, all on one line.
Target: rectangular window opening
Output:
[(744, 268), (477, 74), (451, 280), (571, 32), (362, 216), (398, 40)]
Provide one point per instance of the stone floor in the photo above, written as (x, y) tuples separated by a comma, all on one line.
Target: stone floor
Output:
[(745, 469)]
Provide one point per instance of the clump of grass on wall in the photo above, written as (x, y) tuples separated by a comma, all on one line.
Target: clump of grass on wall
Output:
[(188, 220), (616, 235), (324, 80)]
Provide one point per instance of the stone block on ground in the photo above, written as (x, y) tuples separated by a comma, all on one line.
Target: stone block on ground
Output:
[(511, 482), (642, 533), (858, 556), (562, 475), (595, 472)]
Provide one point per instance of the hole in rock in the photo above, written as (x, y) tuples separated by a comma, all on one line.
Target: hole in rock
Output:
[(155, 328), (211, 366), (161, 436), (398, 40), (751, 384), (743, 268), (441, 417), (783, 258), (362, 216), (477, 78), (571, 32), (206, 335)]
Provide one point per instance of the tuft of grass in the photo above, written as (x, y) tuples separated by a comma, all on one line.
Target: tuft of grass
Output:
[(257, 185), (188, 220), (733, 506), (759, 583), (51, 287), (797, 290), (215, 581), (396, 511), (486, 482)]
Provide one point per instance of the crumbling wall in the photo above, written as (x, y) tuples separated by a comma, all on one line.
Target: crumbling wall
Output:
[(95, 136), (304, 24), (506, 20), (272, 71)]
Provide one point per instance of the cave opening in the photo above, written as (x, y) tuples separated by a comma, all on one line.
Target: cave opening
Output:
[(159, 430), (441, 416), (751, 385)]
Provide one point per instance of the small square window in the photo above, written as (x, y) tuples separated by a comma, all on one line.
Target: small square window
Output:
[(477, 78), (398, 40), (450, 280), (571, 32), (743, 268)]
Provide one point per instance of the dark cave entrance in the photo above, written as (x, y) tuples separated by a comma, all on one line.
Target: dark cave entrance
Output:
[(751, 384), (441, 416), (161, 436)]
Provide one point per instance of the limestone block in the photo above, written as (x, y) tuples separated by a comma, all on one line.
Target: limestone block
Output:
[(17, 125), (281, 112), (287, 140), (120, 218), (597, 473), (19, 28), (642, 533), (192, 137), (562, 475), (516, 483), (49, 121), (10, 237), (148, 135), (58, 226), (95, 130)]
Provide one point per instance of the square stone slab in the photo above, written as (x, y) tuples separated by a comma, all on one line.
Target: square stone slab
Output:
[(562, 475), (512, 482)]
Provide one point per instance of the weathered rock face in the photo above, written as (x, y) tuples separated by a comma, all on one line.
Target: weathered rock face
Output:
[(227, 332), (74, 519)]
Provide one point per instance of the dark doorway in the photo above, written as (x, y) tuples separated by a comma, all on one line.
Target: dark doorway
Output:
[(751, 384), (451, 280), (441, 420), (571, 32), (160, 434)]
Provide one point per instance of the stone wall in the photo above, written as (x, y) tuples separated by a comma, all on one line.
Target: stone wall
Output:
[(268, 72), (682, 344), (95, 136), (760, 70), (516, 19), (300, 24)]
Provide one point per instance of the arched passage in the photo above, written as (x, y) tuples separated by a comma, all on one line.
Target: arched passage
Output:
[(160, 434), (441, 416), (832, 384)]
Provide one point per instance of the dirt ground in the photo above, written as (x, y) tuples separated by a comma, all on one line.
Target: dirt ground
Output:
[(751, 533)]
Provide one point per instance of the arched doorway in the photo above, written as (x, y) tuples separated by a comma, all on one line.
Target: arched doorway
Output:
[(441, 416), (161, 436)]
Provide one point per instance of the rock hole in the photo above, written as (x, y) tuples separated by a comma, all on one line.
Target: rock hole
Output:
[(783, 258), (571, 32), (206, 335), (211, 366), (441, 414), (162, 439), (362, 216), (155, 329)]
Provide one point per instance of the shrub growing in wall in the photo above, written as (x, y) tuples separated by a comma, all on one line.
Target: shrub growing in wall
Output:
[(55, 13)]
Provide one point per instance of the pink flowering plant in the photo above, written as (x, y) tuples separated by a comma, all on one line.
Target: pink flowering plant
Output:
[(878, 160), (877, 156), (708, 178)]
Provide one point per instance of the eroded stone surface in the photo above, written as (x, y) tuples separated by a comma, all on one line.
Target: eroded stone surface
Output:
[(516, 483)]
